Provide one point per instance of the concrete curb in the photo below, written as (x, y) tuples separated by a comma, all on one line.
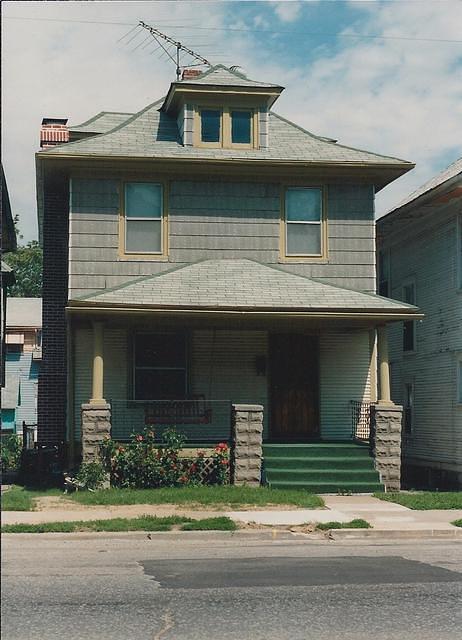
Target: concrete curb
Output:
[(396, 534)]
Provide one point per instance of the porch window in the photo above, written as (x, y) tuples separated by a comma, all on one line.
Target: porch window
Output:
[(160, 369), (303, 221), (143, 218), (409, 334)]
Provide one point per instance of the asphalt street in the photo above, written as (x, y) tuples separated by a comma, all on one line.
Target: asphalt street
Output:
[(201, 586)]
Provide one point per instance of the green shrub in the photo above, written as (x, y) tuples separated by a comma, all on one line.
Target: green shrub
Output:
[(10, 452), (143, 464), (91, 475)]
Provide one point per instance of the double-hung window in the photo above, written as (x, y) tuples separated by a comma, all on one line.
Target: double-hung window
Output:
[(303, 222), (160, 366), (143, 218)]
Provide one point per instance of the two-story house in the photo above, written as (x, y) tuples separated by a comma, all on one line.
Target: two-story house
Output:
[(420, 257), (206, 252)]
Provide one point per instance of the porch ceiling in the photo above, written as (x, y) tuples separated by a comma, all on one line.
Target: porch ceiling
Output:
[(241, 287)]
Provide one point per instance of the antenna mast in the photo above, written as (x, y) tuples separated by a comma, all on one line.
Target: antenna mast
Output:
[(156, 34)]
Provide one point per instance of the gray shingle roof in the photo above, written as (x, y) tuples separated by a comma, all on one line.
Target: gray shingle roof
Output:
[(240, 284), (101, 123), (222, 76), (152, 133)]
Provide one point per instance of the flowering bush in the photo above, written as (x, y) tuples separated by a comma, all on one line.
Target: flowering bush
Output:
[(144, 464)]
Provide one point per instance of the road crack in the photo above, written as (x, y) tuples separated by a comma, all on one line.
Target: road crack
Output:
[(168, 623)]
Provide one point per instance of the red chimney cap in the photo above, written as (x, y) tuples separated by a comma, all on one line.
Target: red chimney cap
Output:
[(190, 73)]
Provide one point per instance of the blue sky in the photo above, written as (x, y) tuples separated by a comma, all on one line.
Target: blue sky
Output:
[(382, 76)]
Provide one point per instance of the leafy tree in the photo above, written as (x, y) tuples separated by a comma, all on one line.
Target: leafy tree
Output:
[(26, 262)]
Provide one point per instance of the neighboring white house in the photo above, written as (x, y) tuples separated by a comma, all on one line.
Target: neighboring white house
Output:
[(420, 262)]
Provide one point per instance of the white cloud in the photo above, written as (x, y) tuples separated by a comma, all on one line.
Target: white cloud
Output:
[(287, 10)]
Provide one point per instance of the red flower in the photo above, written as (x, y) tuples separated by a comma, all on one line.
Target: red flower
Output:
[(193, 468), (139, 438), (201, 454), (225, 462)]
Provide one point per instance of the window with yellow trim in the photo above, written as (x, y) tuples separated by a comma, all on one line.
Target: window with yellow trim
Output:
[(226, 127), (143, 218), (303, 228)]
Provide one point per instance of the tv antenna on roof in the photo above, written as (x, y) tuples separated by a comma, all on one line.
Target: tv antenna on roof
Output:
[(159, 36)]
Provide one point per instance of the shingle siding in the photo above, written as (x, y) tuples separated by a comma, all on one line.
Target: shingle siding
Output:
[(221, 220)]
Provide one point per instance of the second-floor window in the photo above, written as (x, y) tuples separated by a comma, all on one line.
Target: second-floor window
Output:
[(303, 222), (143, 232)]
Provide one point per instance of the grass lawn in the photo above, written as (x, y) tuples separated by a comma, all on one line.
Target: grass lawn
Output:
[(423, 500), (213, 496), (358, 523), (142, 523), (21, 499), (457, 523)]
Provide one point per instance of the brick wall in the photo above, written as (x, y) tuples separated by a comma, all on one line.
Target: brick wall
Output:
[(52, 397)]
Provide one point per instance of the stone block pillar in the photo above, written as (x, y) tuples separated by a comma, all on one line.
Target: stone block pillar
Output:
[(386, 419), (247, 425), (96, 427)]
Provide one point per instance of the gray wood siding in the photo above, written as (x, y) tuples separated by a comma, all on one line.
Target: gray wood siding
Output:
[(426, 251), (213, 220), (344, 376)]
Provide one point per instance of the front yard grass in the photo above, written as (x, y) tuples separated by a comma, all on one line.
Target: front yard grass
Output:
[(457, 523), (142, 523), (423, 500), (22, 499), (358, 523), (210, 496)]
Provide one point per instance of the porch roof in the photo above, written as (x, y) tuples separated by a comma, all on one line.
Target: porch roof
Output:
[(245, 286)]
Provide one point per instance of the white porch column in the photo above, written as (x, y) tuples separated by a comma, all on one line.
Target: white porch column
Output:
[(97, 396), (384, 366)]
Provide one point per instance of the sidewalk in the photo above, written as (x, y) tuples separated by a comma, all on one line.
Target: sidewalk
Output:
[(387, 519)]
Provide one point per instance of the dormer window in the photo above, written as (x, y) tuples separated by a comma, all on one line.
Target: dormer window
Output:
[(226, 127)]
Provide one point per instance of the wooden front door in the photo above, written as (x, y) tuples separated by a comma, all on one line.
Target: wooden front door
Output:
[(294, 388)]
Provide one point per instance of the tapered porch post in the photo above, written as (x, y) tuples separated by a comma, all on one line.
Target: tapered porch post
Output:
[(384, 366), (98, 364)]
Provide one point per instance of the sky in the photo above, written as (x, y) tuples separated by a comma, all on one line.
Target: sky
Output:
[(385, 76)]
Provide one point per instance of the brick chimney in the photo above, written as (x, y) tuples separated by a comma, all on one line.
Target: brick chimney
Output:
[(189, 74), (54, 131)]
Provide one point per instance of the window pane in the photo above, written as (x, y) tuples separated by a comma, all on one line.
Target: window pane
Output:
[(303, 239), (303, 204), (160, 385), (160, 350), (143, 200), (143, 236), (210, 125), (240, 126)]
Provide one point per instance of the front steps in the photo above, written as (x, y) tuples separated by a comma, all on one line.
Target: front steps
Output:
[(321, 468)]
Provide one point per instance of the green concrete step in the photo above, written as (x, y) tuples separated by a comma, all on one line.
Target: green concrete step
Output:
[(329, 487), (318, 450), (314, 463), (323, 475)]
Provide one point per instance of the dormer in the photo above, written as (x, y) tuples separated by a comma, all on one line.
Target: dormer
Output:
[(221, 109)]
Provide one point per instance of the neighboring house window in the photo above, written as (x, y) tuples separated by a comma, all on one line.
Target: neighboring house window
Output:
[(459, 252), (384, 273), (160, 370), (226, 127), (408, 408), (303, 222), (143, 233), (409, 327), (459, 378)]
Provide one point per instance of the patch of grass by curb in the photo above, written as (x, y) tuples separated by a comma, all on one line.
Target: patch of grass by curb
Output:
[(358, 523), (22, 499), (210, 524), (424, 500), (457, 523), (142, 523), (211, 496)]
